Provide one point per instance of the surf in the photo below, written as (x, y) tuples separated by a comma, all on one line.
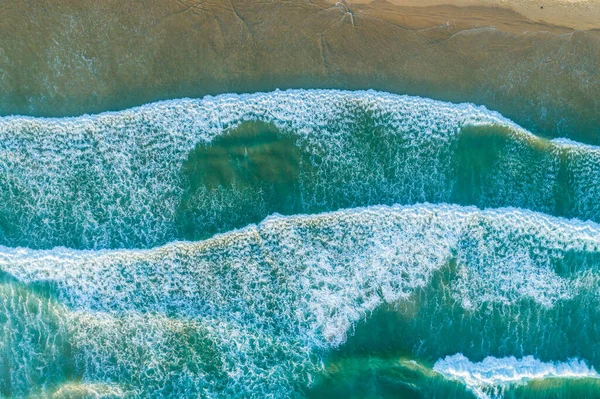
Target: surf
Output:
[(490, 377), (267, 307), (188, 169)]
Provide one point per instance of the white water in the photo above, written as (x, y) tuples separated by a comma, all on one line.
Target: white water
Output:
[(114, 179), (488, 378), (296, 285)]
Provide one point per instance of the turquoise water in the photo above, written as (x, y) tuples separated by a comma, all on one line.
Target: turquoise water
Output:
[(298, 244)]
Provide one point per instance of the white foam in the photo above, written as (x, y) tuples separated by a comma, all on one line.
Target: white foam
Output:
[(114, 179), (295, 285), (522, 269), (572, 144), (489, 377)]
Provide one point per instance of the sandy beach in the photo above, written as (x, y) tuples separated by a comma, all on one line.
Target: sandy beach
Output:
[(571, 14)]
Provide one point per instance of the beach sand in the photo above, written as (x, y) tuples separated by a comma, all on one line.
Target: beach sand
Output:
[(571, 14), (69, 57)]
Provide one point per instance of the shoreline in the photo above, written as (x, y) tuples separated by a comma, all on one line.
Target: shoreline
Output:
[(71, 57)]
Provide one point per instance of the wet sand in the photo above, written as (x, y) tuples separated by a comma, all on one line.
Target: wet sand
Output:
[(67, 57)]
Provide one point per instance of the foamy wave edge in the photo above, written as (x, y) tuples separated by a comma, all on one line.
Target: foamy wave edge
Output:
[(488, 378), (214, 114), (575, 228)]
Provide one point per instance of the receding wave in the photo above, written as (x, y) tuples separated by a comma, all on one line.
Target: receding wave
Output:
[(261, 311), (187, 169)]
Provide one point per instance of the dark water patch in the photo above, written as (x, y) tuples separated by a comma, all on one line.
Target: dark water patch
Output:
[(47, 350), (391, 353), (383, 378), (257, 169), (434, 323), (152, 357), (495, 167), (254, 168)]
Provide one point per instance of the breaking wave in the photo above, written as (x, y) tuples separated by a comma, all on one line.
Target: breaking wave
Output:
[(255, 312), (488, 378), (187, 169)]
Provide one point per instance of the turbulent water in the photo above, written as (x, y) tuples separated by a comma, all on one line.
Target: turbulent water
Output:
[(367, 245)]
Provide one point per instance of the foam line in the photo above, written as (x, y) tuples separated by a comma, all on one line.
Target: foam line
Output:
[(489, 377)]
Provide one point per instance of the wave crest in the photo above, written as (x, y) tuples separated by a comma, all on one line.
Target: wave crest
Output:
[(489, 377)]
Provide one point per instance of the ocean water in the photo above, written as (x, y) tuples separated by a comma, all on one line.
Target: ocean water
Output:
[(297, 244)]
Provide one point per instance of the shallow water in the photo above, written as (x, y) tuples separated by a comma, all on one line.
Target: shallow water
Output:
[(328, 276), (70, 57)]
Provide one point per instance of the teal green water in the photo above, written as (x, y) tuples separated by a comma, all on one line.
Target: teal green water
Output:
[(367, 246), (188, 169)]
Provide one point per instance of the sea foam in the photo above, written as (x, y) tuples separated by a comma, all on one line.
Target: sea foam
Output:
[(488, 378), (117, 179), (271, 299)]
